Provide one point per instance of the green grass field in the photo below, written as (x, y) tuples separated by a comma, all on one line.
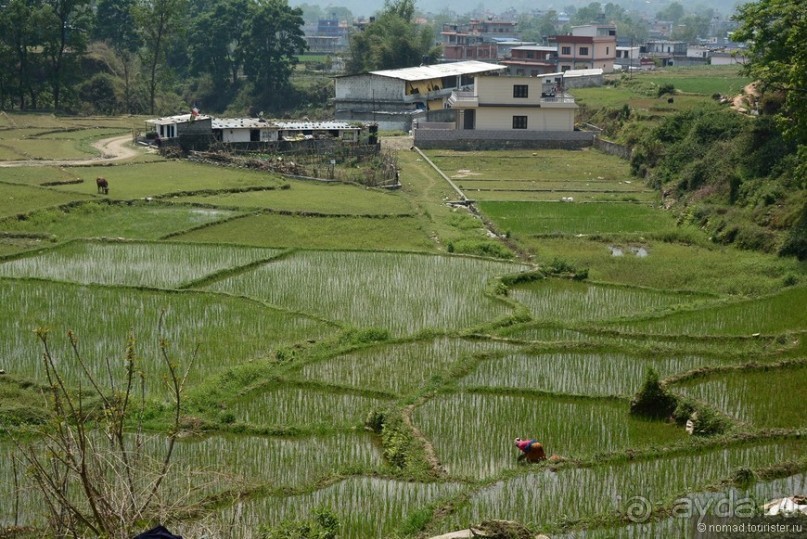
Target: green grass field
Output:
[(694, 88), (314, 311)]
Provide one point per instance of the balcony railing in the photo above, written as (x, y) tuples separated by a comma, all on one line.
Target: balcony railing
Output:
[(463, 99), (469, 100)]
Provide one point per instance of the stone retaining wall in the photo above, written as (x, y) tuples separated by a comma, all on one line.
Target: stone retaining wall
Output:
[(496, 140), (606, 146)]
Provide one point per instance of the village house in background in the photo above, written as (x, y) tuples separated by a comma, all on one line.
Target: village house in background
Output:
[(478, 40), (197, 131), (393, 98), (587, 47), (531, 60)]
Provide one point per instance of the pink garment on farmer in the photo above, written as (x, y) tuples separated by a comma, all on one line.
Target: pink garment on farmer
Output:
[(524, 445)]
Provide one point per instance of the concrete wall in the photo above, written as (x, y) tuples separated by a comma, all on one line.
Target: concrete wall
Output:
[(369, 88), (538, 119), (588, 81), (197, 127), (386, 121), (493, 140), (499, 90), (612, 148)]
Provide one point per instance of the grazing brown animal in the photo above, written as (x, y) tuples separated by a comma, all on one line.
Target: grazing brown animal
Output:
[(532, 450), (102, 185)]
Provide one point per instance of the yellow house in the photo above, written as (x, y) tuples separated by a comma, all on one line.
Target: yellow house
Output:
[(515, 104)]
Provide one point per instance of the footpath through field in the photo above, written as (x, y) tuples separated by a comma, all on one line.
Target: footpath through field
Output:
[(112, 149)]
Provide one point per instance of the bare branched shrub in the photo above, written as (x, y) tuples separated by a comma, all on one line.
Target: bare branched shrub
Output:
[(94, 465)]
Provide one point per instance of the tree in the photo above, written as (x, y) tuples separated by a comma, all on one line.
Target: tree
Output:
[(273, 37), (589, 14), (776, 31), (156, 19), (673, 13), (19, 24), (538, 28), (393, 41), (94, 473), (115, 24), (214, 40), (65, 33)]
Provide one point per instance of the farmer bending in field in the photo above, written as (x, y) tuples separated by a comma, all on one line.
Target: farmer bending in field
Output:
[(532, 450)]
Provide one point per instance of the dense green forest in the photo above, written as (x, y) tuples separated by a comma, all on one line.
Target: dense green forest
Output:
[(150, 56)]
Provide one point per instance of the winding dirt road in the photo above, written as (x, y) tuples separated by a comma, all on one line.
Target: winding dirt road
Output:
[(112, 149)]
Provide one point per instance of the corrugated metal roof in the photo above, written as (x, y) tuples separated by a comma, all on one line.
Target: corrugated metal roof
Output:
[(315, 125), (582, 72), (260, 123), (246, 123), (181, 118), (437, 71), (545, 48)]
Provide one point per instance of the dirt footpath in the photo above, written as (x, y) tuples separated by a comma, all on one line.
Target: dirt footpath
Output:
[(112, 149)]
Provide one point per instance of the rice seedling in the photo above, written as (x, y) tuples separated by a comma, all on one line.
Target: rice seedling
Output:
[(734, 349), (546, 498), (303, 407), (365, 506), (277, 463), (21, 504), (216, 465), (473, 433), (564, 300), (403, 293), (273, 230), (763, 398), (703, 503), (576, 373), (530, 218), (769, 315), (398, 368), (302, 196), (95, 220), (154, 265), (102, 318)]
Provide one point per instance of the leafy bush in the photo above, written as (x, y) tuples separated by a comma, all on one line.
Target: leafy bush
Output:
[(653, 400), (492, 249), (796, 242), (666, 89), (322, 525), (705, 420)]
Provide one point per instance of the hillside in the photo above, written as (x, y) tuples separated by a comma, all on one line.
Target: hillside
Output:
[(725, 168)]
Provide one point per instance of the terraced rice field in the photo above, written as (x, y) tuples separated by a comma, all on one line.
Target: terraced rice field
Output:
[(573, 301), (739, 395), (401, 293), (576, 373), (398, 369), (547, 497), (311, 308), (473, 432), (192, 321), (149, 265)]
